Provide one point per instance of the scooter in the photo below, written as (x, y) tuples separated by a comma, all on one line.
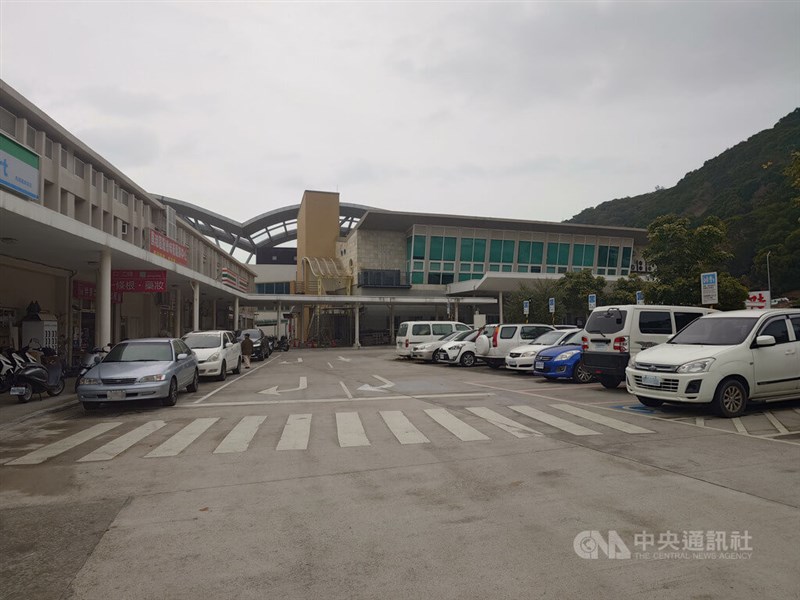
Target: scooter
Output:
[(90, 359), (283, 344), (37, 378), (7, 367)]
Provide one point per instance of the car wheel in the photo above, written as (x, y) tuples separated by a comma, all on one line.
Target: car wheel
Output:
[(238, 368), (58, 389), (610, 381), (223, 372), (435, 356), (467, 359), (26, 397), (651, 402), (90, 406), (172, 397), (580, 374), (730, 399), (192, 387)]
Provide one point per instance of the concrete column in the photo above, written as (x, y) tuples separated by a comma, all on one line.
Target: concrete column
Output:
[(391, 324), (178, 313), (103, 316), (236, 313), (456, 303), (69, 323), (356, 343), (195, 306), (117, 323), (500, 301), (214, 313), (278, 316)]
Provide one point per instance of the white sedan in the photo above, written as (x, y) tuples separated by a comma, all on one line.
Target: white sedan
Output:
[(521, 358), (460, 351), (217, 352)]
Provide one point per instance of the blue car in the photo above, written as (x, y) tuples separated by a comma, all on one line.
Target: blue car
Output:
[(562, 362)]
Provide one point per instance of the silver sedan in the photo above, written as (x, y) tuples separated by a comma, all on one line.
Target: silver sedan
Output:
[(139, 370)]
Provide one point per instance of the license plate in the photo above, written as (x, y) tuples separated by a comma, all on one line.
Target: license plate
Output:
[(511, 363), (653, 380), (539, 365), (17, 391), (116, 395)]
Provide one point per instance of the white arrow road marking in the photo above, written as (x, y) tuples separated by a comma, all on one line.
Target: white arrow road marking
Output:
[(291, 362), (381, 388), (344, 359), (273, 391)]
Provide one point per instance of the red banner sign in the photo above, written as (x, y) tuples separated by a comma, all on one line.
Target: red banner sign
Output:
[(86, 290), (151, 282), (169, 249)]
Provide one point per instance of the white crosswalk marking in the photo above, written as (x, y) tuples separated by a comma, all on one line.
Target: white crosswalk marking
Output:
[(295, 433), (350, 430), (556, 422), (181, 440), (42, 454), (240, 436), (601, 419), (516, 429), (122, 443), (402, 428), (464, 432)]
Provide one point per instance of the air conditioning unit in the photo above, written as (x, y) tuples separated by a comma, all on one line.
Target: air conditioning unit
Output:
[(123, 228)]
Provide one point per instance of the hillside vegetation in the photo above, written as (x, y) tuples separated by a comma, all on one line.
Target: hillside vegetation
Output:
[(751, 188)]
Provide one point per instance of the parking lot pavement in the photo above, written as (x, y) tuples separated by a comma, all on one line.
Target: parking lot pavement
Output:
[(351, 474)]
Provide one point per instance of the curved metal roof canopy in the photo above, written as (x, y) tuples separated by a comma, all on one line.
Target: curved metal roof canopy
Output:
[(267, 230)]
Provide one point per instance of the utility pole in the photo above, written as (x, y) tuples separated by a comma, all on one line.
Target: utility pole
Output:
[(769, 281)]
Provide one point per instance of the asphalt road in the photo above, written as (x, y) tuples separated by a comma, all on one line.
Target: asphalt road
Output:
[(350, 474)]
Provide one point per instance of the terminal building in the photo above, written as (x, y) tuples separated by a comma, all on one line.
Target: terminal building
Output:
[(108, 260)]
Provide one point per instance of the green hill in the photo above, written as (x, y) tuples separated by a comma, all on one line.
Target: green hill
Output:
[(748, 188)]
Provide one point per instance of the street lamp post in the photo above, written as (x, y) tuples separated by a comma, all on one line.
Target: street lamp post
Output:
[(769, 281)]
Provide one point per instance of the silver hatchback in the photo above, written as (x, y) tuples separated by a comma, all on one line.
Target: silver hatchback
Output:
[(139, 370)]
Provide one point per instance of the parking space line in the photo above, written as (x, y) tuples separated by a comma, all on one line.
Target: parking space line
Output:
[(122, 443), (402, 428), (737, 422), (464, 432), (516, 429), (700, 421), (774, 420), (239, 378), (42, 454), (346, 391), (601, 419), (239, 438), (181, 440), (350, 430), (554, 421), (296, 432)]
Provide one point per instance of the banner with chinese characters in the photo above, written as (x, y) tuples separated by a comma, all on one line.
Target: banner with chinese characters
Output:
[(757, 300), (86, 290), (168, 248), (149, 282)]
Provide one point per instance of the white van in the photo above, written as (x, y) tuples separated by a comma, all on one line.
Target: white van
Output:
[(616, 333), (411, 333)]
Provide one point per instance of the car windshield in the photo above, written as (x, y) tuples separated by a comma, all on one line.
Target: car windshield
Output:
[(202, 341), (551, 337), (469, 336), (462, 335), (574, 338), (607, 321), (716, 331), (254, 334), (140, 352), (450, 336)]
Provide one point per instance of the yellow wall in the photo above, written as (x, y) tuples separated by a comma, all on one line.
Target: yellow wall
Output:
[(317, 228)]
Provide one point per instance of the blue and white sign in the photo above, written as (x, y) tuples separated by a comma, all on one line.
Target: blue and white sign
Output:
[(552, 305), (708, 288), (19, 168), (526, 307), (592, 301), (639, 297)]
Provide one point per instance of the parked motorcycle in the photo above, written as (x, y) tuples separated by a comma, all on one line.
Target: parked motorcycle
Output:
[(7, 367), (283, 344), (90, 359), (34, 377)]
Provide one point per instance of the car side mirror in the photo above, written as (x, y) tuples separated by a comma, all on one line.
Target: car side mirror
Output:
[(97, 360), (182, 356), (228, 344), (765, 340)]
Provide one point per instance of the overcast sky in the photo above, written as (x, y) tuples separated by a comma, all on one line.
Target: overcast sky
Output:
[(518, 110)]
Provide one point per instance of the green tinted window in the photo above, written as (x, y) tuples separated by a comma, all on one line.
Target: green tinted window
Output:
[(464, 276), (508, 251), (537, 252), (419, 247), (524, 253), (602, 256), (417, 277), (449, 248), (613, 256), (479, 252), (436, 247), (408, 248), (466, 249), (626, 257), (557, 254), (496, 251)]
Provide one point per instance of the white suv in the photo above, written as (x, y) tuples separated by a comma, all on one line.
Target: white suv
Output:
[(496, 341), (724, 359), (217, 353)]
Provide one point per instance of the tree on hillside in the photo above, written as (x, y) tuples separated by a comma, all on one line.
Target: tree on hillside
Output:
[(680, 254)]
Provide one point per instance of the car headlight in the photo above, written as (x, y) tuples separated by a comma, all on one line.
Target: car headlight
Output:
[(213, 357), (567, 354), (421, 347), (256, 344), (528, 353), (149, 378), (456, 347), (89, 381), (696, 366), (632, 362)]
